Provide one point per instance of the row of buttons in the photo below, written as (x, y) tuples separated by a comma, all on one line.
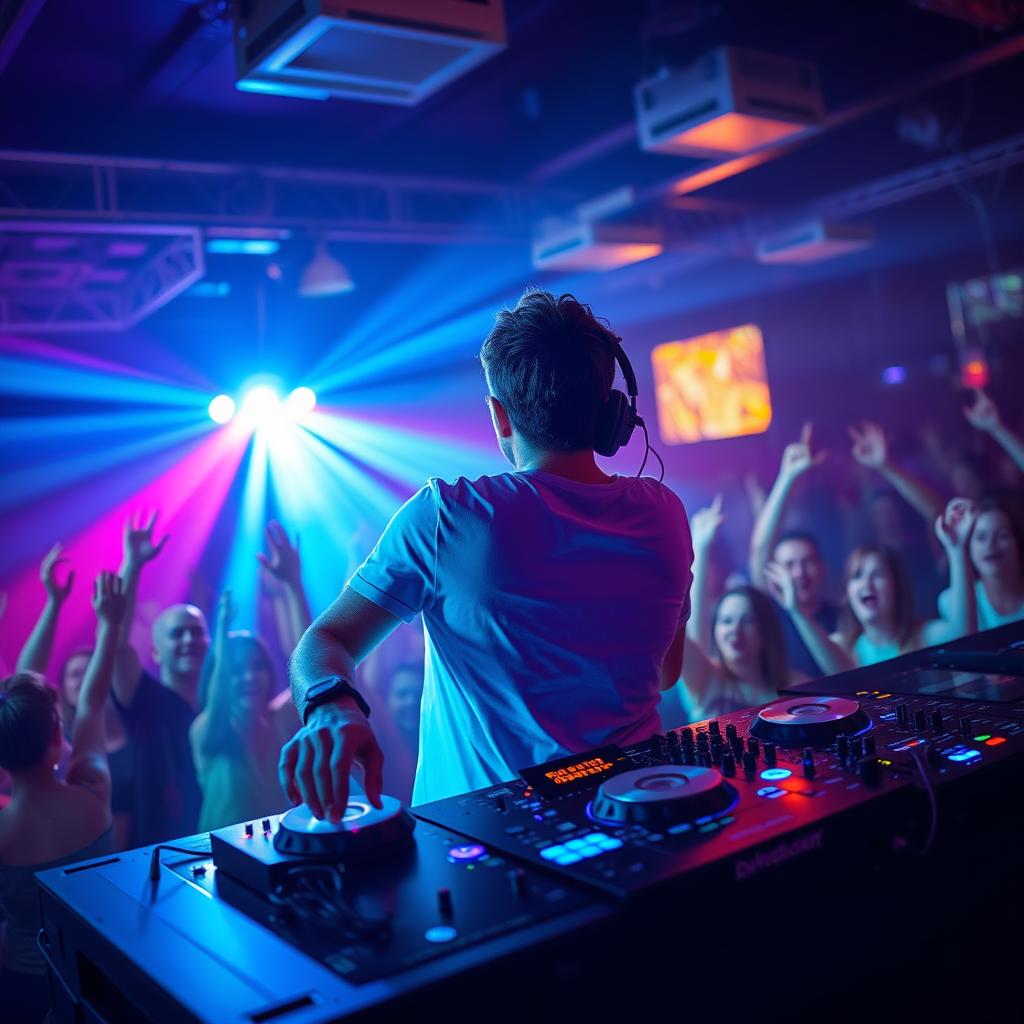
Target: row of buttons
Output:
[(592, 845)]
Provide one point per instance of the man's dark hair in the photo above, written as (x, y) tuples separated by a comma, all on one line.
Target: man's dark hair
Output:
[(551, 363), (807, 538)]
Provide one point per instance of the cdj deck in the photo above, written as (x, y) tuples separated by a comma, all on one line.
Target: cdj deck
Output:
[(866, 838)]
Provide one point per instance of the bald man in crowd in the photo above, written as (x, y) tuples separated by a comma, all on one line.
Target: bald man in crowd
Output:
[(157, 713)]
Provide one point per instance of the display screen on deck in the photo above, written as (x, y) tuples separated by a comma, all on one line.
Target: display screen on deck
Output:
[(577, 772), (1001, 689)]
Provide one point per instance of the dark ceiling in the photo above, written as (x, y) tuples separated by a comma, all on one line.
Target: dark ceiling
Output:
[(553, 112), (157, 79)]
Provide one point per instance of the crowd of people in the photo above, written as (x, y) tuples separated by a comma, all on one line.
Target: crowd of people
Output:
[(773, 623), (103, 754)]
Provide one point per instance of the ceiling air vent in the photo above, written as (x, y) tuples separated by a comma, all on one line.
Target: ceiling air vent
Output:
[(381, 51), (729, 102), (814, 241)]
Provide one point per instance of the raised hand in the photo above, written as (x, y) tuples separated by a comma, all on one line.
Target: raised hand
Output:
[(780, 585), (56, 591), (797, 457), (225, 615), (284, 562), (953, 527), (983, 414), (705, 522), (139, 546), (869, 446), (108, 599)]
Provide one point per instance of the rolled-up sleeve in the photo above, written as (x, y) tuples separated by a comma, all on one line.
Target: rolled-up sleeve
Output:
[(400, 574)]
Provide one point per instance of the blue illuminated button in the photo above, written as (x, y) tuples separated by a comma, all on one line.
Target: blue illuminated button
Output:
[(591, 850), (964, 755), (569, 858), (576, 844), (553, 852), (676, 829), (767, 790), (776, 773), (466, 853), (440, 933), (608, 843)]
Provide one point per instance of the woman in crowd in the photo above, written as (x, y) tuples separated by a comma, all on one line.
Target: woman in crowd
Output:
[(997, 558), (877, 620), (35, 657), (997, 541), (237, 737), (735, 654), (50, 821)]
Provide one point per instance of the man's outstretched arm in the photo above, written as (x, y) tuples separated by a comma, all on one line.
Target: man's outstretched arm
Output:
[(316, 763)]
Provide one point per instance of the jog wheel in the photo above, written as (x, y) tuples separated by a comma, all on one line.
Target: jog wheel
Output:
[(364, 831), (809, 721), (663, 795)]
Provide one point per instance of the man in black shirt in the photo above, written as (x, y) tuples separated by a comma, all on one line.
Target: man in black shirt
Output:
[(158, 712)]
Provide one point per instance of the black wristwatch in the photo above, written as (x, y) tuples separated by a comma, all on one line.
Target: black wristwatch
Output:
[(330, 688)]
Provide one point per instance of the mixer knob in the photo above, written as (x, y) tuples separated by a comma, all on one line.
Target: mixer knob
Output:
[(842, 746), (689, 755), (248, 830), (753, 745), (444, 902), (920, 720), (937, 720), (730, 731), (856, 748), (870, 770), (809, 762), (902, 714), (673, 740), (714, 729), (728, 763), (966, 726), (702, 741), (737, 747), (869, 746), (686, 736), (749, 762), (704, 759), (770, 756)]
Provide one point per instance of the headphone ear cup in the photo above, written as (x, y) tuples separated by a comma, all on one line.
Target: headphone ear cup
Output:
[(615, 425)]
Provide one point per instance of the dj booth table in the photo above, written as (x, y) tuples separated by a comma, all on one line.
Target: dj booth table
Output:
[(851, 850)]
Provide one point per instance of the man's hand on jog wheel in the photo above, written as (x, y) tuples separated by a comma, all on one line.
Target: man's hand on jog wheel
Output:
[(316, 762)]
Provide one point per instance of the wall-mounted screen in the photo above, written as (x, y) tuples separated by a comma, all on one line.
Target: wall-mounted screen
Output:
[(712, 386)]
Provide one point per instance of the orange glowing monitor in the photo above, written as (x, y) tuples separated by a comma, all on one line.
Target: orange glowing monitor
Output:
[(712, 386)]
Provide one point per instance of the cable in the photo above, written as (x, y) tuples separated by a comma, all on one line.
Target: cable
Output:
[(648, 451), (314, 892), (930, 790), (154, 860)]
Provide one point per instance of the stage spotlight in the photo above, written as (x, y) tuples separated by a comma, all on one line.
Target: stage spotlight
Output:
[(301, 401), (261, 404), (221, 408)]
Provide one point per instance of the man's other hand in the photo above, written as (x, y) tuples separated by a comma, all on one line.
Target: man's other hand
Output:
[(317, 761)]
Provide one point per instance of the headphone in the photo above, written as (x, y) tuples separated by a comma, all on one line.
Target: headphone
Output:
[(619, 417)]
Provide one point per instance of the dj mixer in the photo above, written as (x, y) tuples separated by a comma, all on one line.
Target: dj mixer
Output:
[(769, 849)]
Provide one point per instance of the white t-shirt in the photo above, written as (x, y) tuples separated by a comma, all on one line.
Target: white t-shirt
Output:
[(988, 617), (548, 606)]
